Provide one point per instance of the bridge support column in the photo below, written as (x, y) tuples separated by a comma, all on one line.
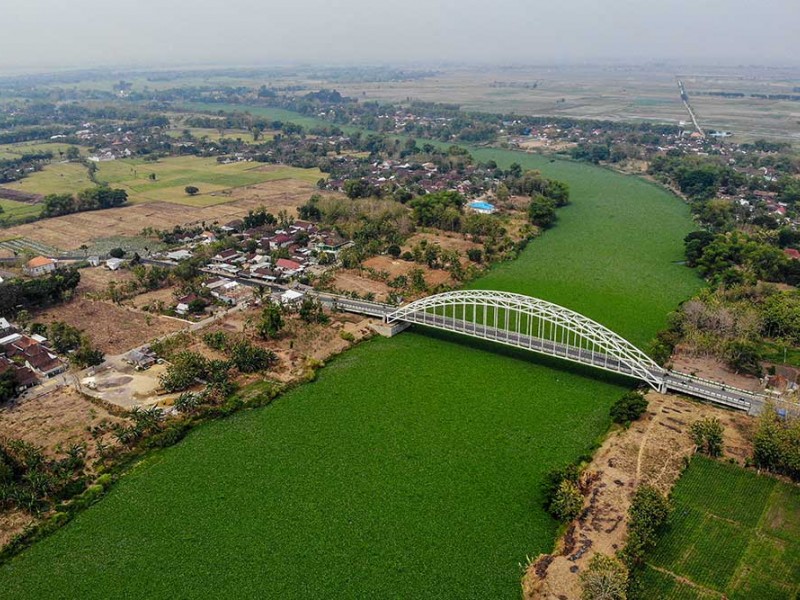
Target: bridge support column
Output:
[(662, 387)]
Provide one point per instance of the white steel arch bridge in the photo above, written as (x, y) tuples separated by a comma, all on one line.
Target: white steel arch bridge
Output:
[(547, 328)]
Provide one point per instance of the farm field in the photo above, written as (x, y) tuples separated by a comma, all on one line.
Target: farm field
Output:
[(275, 114), (175, 173), (732, 532), (214, 134), (103, 229), (15, 211), (55, 178), (16, 150)]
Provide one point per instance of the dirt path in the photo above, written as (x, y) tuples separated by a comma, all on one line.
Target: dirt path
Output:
[(651, 451)]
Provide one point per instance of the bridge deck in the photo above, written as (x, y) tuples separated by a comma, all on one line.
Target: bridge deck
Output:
[(672, 380)]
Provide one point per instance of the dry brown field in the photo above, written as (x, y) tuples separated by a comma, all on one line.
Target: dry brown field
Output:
[(71, 231), (111, 328)]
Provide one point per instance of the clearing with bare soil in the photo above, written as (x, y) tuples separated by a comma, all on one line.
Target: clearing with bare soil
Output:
[(111, 328), (653, 451), (709, 367)]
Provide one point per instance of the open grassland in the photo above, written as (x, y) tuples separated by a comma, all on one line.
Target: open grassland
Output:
[(16, 211), (215, 135), (55, 178), (732, 532), (173, 174), (274, 114), (8, 151), (408, 469)]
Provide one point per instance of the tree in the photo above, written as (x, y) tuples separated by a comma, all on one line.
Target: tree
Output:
[(271, 321), (606, 578), (502, 192), (186, 367), (249, 358), (542, 211), (116, 252), (394, 250), (197, 306), (743, 356), (776, 444), (707, 436), (73, 153), (191, 190), (629, 408), (8, 390), (311, 311), (86, 355)]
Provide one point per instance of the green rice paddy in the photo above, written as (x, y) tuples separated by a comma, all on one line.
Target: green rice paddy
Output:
[(732, 532), (411, 468)]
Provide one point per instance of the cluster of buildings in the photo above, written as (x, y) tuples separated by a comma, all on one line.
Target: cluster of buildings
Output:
[(27, 356), (422, 178)]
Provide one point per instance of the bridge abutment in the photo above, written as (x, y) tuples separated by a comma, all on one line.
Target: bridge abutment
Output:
[(390, 329)]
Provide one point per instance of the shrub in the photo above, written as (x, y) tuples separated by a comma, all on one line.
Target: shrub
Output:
[(628, 408), (606, 578), (216, 340), (475, 255), (648, 513), (347, 336), (553, 480), (776, 444), (567, 502), (707, 436), (191, 190), (116, 253)]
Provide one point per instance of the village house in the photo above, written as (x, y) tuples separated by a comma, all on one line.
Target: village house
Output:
[(24, 377), (141, 359), (35, 355), (232, 293), (41, 265), (331, 242), (288, 267), (290, 297), (792, 253), (225, 256), (184, 304)]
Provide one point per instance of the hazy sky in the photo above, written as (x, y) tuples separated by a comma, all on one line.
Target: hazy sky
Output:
[(75, 33)]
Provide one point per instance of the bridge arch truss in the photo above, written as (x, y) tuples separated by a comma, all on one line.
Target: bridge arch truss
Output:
[(532, 324)]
